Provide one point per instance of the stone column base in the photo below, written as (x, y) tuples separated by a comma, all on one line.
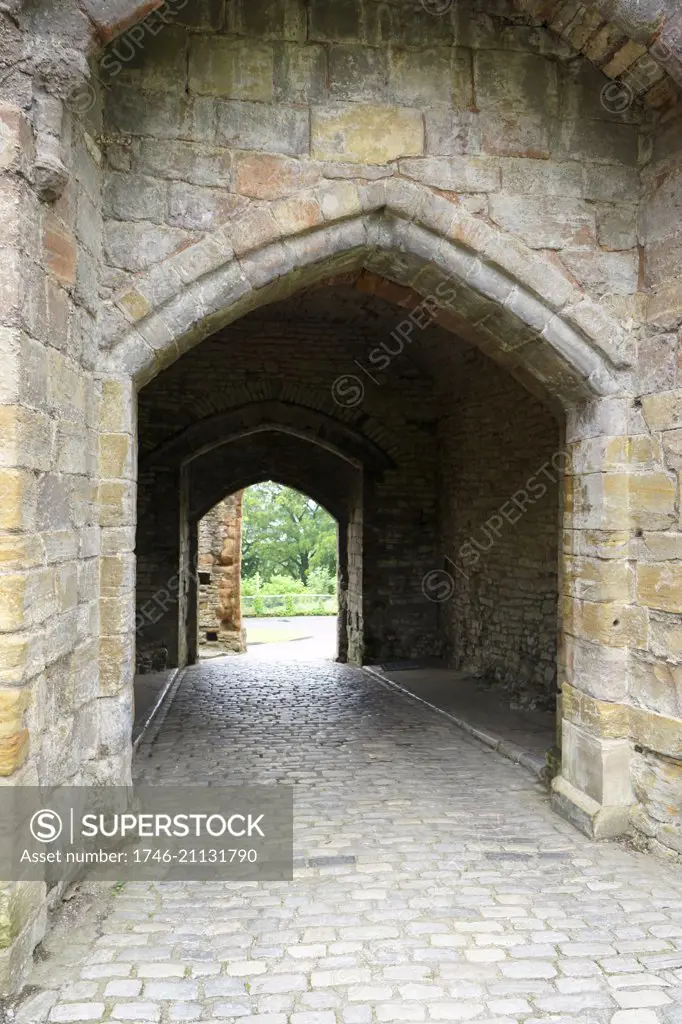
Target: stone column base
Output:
[(598, 821)]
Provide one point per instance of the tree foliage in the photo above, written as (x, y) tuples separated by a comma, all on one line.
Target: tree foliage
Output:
[(285, 533)]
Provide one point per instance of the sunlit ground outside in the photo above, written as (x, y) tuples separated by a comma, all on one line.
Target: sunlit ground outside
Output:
[(292, 639)]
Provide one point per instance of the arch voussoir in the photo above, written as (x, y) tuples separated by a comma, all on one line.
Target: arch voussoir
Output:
[(509, 298)]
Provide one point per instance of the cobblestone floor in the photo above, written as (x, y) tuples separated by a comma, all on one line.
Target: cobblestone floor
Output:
[(460, 895)]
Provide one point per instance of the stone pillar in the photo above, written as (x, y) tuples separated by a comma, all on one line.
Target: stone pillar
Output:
[(27, 582), (342, 592), (192, 615), (220, 559), (600, 623), (229, 568), (117, 508), (185, 570)]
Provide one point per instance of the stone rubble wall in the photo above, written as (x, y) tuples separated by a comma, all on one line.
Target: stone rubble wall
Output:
[(219, 597), (502, 621)]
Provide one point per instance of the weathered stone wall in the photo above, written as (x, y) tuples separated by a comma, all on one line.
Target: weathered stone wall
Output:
[(658, 226), (655, 661), (227, 112), (61, 721), (500, 532)]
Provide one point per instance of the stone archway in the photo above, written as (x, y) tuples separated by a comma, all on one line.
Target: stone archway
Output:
[(69, 513), (183, 479), (216, 606), (515, 305), (300, 421)]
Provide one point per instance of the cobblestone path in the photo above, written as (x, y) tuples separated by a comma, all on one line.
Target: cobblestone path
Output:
[(437, 884)]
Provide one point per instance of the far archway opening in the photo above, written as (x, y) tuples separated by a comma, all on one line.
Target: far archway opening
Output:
[(268, 576)]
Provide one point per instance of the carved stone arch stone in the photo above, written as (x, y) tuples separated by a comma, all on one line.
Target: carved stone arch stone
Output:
[(514, 303)]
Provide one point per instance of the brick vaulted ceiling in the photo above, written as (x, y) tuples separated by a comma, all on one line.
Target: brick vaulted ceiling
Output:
[(635, 42)]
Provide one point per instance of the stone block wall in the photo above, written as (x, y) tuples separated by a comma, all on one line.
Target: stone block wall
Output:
[(655, 425), (49, 456), (658, 233), (60, 721), (499, 513), (224, 113)]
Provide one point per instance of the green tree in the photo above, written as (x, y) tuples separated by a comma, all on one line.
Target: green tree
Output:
[(285, 533)]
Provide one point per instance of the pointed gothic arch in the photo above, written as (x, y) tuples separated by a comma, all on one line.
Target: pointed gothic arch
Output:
[(515, 304)]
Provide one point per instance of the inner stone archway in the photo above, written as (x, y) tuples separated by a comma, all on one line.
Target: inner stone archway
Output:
[(407, 508), (269, 573), (294, 461), (184, 477)]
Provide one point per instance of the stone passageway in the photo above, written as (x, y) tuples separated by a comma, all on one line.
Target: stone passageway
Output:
[(433, 883), (420, 261)]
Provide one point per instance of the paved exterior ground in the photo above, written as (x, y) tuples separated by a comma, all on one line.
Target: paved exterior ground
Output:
[(316, 637), (320, 632), (460, 896)]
